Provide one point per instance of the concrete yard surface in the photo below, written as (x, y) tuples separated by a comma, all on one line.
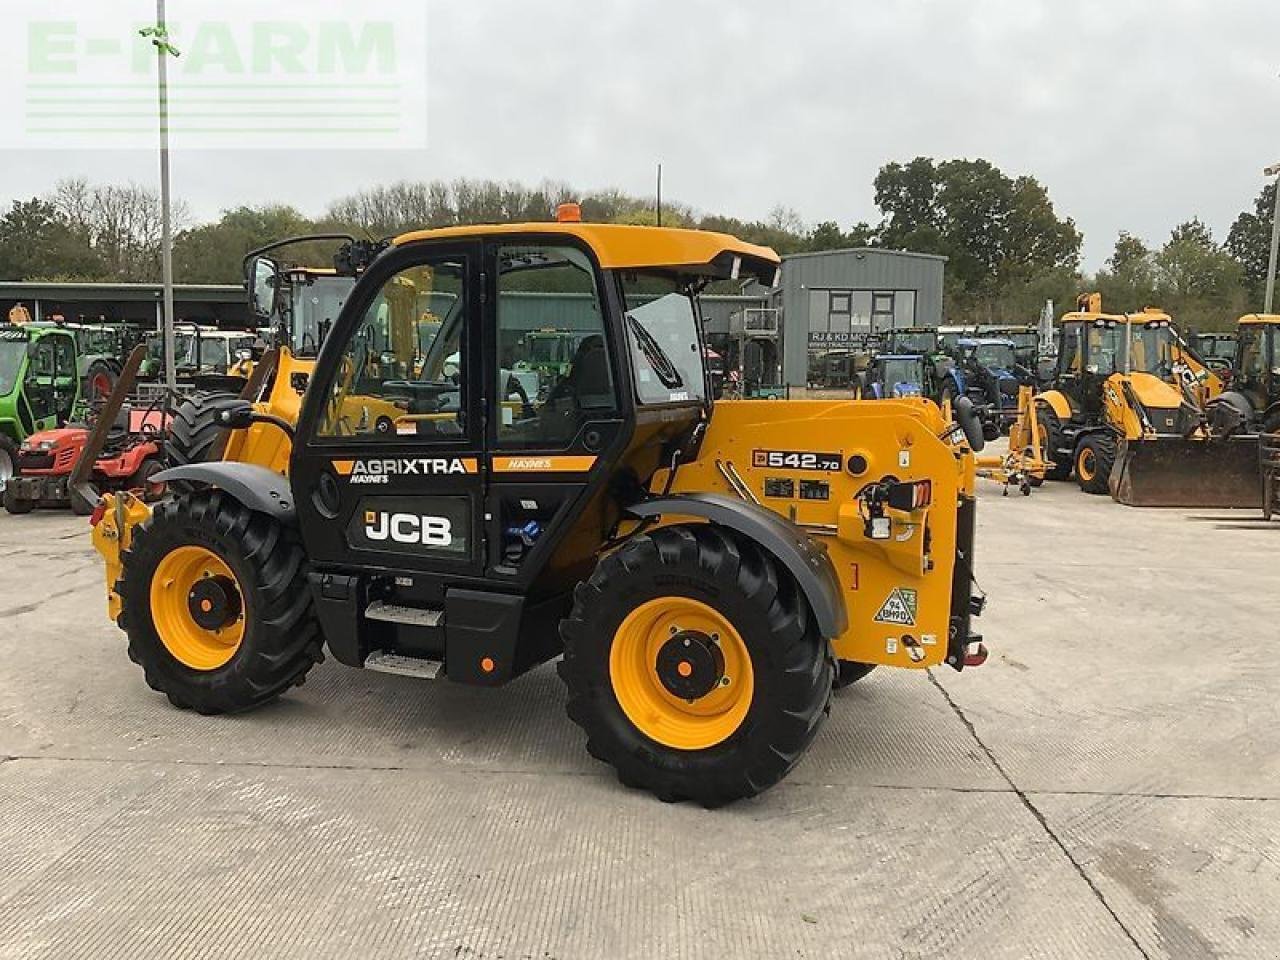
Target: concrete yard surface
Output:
[(1107, 785)]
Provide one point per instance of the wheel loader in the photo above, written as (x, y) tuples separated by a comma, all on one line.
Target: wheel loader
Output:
[(1126, 413), (708, 572)]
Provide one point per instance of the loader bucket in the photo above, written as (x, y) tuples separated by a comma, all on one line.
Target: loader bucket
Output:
[(1174, 472)]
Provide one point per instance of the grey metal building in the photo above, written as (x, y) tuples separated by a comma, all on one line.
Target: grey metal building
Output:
[(834, 303), (222, 305)]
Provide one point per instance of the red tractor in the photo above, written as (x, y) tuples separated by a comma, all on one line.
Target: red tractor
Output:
[(131, 455)]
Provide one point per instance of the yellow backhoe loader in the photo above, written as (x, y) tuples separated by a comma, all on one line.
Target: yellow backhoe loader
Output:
[(1126, 413)]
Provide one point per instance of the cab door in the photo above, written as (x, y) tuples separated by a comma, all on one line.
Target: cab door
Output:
[(387, 467), (51, 380)]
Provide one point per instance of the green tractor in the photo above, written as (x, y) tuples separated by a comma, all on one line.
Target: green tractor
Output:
[(549, 354), (102, 348), (40, 386)]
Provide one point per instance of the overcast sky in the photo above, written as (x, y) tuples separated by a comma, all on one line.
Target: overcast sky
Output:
[(1135, 115)]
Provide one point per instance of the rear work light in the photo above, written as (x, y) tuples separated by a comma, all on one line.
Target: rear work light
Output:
[(915, 495)]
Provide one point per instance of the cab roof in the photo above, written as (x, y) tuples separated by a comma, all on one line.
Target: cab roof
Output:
[(1260, 318), (626, 247)]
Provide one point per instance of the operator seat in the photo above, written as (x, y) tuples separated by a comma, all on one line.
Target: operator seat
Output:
[(587, 386)]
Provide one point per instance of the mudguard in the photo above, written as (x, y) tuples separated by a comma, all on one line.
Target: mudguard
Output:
[(1057, 402), (794, 549), (254, 486)]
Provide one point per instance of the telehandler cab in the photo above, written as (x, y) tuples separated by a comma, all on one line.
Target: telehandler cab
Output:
[(709, 572)]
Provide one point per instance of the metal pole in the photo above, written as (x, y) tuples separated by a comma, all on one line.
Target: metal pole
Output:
[(660, 195), (166, 236), (1273, 170)]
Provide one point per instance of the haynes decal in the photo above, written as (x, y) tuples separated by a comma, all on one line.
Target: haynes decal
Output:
[(898, 608)]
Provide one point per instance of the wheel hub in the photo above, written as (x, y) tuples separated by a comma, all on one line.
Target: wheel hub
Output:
[(690, 664), (214, 602)]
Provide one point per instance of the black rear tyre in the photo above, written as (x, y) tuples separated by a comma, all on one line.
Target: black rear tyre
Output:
[(1095, 457), (1051, 428), (790, 663), (100, 380), (195, 429), (281, 638)]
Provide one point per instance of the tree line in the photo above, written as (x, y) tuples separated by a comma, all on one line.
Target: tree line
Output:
[(1007, 246)]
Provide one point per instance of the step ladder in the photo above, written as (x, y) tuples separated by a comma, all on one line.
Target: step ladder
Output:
[(385, 661)]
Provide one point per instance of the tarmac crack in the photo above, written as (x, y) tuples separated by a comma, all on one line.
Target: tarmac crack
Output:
[(1039, 816)]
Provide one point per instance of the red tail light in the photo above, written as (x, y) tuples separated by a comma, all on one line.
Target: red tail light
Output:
[(99, 512)]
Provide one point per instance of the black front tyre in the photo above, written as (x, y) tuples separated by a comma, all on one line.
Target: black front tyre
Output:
[(759, 674), (216, 604), (1095, 457)]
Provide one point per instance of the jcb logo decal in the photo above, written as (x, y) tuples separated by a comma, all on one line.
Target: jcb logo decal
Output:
[(408, 528)]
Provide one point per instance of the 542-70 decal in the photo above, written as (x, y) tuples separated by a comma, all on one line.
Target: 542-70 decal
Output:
[(797, 460)]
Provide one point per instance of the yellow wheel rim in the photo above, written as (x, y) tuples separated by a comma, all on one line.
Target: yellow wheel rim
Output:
[(197, 607), (648, 646), (1085, 465)]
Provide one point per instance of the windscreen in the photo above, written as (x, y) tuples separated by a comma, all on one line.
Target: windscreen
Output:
[(12, 351), (662, 329), (1105, 349), (901, 371), (316, 306), (1151, 350), (995, 355)]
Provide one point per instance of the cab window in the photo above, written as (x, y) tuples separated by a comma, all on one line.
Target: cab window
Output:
[(553, 370), (402, 373), (662, 329), (1072, 359)]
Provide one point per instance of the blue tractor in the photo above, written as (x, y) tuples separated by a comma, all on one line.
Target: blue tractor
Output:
[(986, 371), (893, 375)]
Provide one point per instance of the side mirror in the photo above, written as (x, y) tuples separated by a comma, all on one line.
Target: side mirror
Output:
[(263, 276)]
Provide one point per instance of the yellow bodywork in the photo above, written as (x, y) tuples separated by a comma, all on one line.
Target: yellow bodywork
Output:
[(112, 536), (1152, 392), (617, 246), (899, 438)]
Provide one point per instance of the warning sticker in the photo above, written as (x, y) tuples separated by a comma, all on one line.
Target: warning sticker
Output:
[(899, 607)]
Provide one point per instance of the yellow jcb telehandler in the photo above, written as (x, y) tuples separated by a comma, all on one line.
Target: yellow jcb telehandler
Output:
[(709, 571)]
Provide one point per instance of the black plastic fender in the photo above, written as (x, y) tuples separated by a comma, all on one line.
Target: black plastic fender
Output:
[(254, 486), (803, 557)]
